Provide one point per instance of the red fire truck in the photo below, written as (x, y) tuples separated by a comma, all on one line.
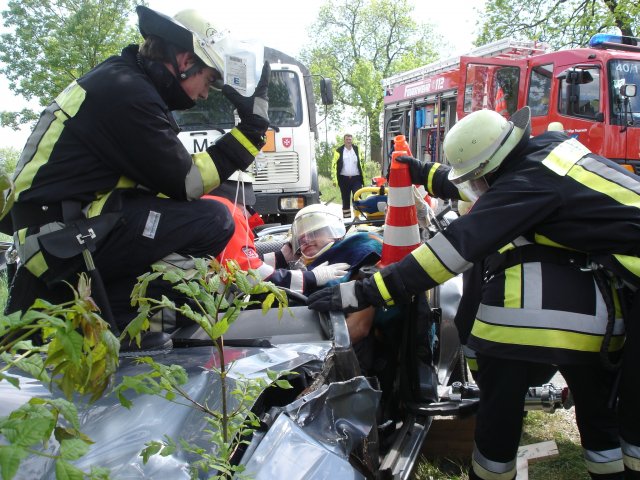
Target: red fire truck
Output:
[(590, 93)]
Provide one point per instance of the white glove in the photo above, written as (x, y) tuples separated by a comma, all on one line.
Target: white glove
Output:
[(324, 272), (422, 208)]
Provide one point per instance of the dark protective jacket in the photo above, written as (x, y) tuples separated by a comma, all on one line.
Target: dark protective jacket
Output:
[(336, 163), (551, 192), (112, 129)]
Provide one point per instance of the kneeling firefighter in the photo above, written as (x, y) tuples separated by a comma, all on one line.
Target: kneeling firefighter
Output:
[(567, 225), (105, 172)]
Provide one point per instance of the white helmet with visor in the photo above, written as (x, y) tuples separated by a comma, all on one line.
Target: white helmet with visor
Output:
[(187, 30), (478, 144), (318, 225)]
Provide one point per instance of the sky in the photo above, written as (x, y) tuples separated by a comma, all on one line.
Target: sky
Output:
[(283, 25)]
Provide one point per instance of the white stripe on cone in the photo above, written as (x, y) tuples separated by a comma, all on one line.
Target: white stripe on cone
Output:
[(400, 197), (401, 236)]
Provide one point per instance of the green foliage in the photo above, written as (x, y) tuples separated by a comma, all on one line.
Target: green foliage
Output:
[(78, 354), (562, 24), (324, 157), (50, 43), (358, 43), (217, 295), (8, 159)]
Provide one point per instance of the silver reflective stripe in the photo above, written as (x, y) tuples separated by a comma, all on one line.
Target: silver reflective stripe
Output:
[(297, 281), (553, 319), (31, 147), (490, 470), (532, 285), (604, 171), (604, 462), (447, 254), (265, 270), (603, 456), (468, 352), (521, 241), (631, 455), (348, 295), (31, 245), (401, 236), (193, 183), (270, 259), (178, 261)]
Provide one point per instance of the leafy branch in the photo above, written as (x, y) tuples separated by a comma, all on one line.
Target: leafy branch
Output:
[(215, 295), (66, 346)]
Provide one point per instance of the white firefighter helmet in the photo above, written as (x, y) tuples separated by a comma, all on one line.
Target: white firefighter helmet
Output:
[(555, 127), (478, 143), (187, 30), (313, 222)]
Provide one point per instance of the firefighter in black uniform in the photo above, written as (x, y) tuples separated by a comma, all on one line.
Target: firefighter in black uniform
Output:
[(105, 157), (567, 225)]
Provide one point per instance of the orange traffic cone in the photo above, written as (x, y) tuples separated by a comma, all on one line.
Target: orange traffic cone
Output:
[(401, 233)]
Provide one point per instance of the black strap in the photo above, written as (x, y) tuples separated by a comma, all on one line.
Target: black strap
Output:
[(26, 215), (535, 253)]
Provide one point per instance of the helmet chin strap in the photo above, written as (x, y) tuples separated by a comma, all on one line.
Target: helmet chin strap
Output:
[(189, 72)]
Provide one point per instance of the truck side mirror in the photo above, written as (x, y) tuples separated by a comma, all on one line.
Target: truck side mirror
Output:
[(628, 90), (326, 91)]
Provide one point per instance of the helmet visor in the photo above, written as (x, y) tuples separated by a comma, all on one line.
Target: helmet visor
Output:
[(472, 189), (315, 229)]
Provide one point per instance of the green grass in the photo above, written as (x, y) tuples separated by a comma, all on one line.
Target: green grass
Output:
[(538, 427), (328, 192)]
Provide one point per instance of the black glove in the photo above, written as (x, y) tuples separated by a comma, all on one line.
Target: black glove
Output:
[(419, 171), (253, 110), (346, 297)]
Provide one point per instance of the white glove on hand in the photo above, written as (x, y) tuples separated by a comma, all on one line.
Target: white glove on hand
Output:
[(324, 272), (422, 208)]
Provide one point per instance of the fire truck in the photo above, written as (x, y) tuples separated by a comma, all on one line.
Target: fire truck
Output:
[(590, 93)]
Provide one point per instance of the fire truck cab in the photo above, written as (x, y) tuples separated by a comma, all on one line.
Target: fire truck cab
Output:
[(590, 93)]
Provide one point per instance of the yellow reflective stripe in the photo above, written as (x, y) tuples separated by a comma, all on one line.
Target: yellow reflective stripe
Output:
[(430, 175), (603, 468), (208, 170), (37, 264), (45, 146), (22, 236), (382, 288), (508, 246), (95, 207), (485, 474), (513, 287), (472, 363), (71, 98), (632, 264), (631, 463), (431, 265), (562, 158), (244, 141), (542, 240), (606, 187), (542, 337)]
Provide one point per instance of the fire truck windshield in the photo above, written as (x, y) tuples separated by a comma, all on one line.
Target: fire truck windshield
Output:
[(624, 72), (216, 112)]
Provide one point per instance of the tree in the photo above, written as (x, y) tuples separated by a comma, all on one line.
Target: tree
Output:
[(560, 23), (357, 44), (53, 42)]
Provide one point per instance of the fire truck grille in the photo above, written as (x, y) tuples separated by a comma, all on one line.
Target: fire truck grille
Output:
[(277, 167)]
